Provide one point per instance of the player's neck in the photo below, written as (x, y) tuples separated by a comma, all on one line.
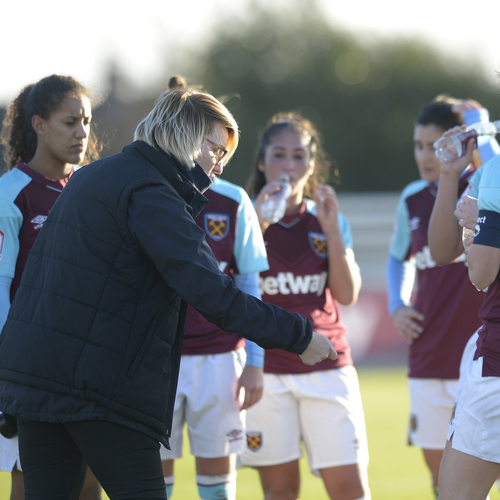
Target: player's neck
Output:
[(50, 169)]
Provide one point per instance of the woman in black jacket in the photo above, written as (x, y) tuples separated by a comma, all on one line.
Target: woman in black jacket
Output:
[(89, 355)]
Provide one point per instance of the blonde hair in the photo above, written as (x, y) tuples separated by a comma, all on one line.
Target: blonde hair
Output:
[(181, 120)]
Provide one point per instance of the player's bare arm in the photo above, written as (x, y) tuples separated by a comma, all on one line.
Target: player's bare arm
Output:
[(445, 234), (344, 278)]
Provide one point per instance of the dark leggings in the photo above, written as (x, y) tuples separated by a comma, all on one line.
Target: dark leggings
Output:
[(54, 458)]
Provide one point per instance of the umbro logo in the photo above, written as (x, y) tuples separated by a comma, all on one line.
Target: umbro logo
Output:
[(235, 435), (414, 223), (38, 221)]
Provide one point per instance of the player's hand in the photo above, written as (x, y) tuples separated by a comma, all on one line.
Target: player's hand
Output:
[(466, 105), (327, 207), (467, 211), (407, 321), (252, 383), (458, 165), (318, 349), (268, 190)]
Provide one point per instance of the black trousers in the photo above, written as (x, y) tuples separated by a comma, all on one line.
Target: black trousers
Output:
[(54, 459)]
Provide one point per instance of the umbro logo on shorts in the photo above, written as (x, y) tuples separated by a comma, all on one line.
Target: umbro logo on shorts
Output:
[(235, 435)]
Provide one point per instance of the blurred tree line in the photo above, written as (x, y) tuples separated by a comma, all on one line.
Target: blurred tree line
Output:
[(363, 97)]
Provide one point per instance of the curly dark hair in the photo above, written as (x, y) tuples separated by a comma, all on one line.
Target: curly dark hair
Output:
[(41, 99), (296, 122)]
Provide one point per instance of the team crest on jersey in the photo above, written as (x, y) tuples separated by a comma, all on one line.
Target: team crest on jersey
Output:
[(318, 244), (254, 441), (217, 226), (38, 221), (2, 238)]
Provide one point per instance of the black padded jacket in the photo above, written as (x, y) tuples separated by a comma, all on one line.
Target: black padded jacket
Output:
[(95, 329)]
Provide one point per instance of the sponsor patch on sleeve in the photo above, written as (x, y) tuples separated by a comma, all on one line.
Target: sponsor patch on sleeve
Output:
[(487, 231)]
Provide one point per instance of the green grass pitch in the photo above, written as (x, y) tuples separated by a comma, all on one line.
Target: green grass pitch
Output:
[(396, 471)]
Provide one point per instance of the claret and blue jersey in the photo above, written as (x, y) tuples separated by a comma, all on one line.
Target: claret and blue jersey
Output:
[(26, 199), (444, 296), (297, 280), (233, 234)]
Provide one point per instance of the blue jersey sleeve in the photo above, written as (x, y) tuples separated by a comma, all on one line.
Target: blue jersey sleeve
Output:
[(5, 284), (400, 278), (401, 234), (487, 146), (474, 181), (489, 186), (11, 219), (249, 283), (249, 250), (345, 230)]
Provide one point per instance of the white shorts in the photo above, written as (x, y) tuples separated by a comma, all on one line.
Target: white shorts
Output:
[(323, 409), (206, 401), (9, 454), (475, 427), (432, 401), (467, 355)]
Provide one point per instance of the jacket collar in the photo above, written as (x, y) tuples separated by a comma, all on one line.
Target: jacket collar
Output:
[(189, 183)]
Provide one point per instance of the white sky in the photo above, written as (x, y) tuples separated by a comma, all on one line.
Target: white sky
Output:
[(38, 38)]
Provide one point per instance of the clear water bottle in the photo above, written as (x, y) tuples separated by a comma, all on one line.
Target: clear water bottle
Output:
[(467, 235), (273, 209), (455, 145)]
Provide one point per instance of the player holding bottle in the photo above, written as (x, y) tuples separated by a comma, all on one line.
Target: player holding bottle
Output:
[(441, 321), (312, 269)]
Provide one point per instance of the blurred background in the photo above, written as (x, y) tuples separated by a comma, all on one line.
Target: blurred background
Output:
[(360, 70)]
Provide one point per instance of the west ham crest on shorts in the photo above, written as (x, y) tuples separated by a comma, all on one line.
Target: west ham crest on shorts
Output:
[(254, 441), (413, 423), (318, 244), (217, 226)]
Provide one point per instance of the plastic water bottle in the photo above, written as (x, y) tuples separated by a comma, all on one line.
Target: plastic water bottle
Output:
[(467, 235), (273, 209), (455, 145)]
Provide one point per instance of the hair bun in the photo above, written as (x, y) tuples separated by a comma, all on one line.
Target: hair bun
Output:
[(176, 83)]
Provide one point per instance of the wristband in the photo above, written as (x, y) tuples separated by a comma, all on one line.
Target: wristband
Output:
[(487, 230)]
